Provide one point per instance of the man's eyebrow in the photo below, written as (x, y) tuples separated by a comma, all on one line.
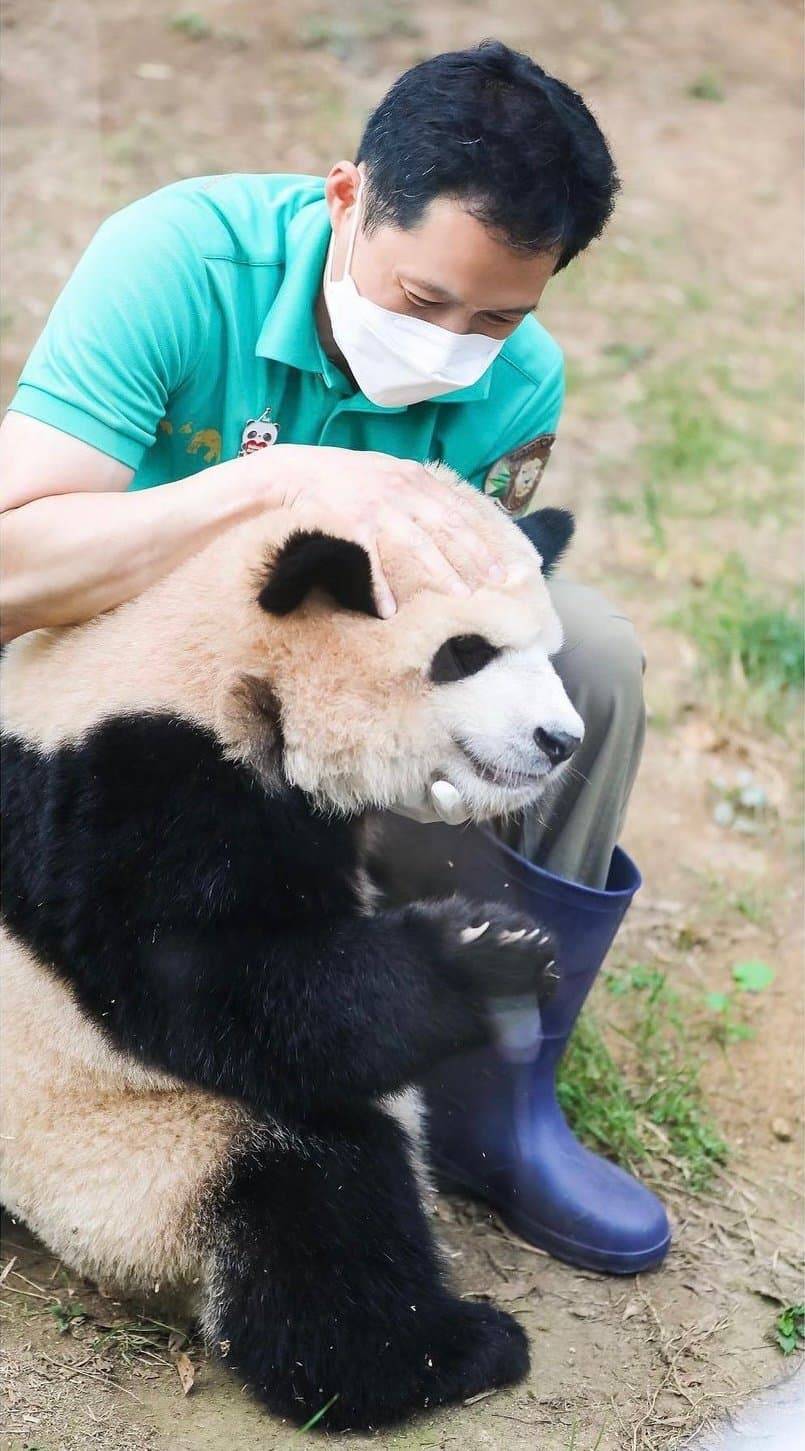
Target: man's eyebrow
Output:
[(442, 292)]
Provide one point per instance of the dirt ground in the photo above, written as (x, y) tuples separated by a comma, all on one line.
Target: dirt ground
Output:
[(688, 311)]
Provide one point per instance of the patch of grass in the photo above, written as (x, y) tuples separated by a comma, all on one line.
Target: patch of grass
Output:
[(698, 299), (191, 24), (638, 978), (131, 1340), (685, 442), (625, 356), (655, 1110), (751, 899), (68, 1316), (596, 1097), (730, 1026), (706, 87), (789, 1329), (745, 639), (370, 20), (708, 445)]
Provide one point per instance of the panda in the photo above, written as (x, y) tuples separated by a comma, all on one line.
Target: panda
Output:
[(211, 1024)]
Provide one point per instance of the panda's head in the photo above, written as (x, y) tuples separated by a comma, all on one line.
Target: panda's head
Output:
[(269, 639), (363, 712)]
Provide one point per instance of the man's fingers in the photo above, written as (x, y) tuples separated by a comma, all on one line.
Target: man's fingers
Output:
[(464, 547), (384, 598), (470, 556), (436, 567)]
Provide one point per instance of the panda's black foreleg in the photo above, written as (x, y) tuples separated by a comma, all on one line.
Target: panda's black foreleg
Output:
[(327, 1289), (299, 1020)]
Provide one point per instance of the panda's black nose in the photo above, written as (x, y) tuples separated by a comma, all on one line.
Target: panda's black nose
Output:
[(557, 745)]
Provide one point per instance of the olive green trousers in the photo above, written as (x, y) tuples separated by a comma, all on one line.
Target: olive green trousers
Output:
[(573, 831)]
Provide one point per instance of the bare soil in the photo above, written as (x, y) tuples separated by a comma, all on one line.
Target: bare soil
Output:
[(105, 101)]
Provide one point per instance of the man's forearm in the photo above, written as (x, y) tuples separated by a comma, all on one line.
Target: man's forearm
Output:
[(69, 556)]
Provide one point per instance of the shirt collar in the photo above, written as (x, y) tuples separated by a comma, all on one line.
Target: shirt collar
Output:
[(289, 334)]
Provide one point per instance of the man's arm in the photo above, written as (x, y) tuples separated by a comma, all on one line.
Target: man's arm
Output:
[(73, 543)]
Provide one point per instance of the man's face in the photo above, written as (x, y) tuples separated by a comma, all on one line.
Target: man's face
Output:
[(448, 269)]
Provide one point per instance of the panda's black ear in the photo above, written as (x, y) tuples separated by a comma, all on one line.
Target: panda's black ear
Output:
[(311, 560), (550, 531)]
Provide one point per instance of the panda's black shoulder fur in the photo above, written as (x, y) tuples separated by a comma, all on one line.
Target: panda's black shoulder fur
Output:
[(214, 929), (198, 836)]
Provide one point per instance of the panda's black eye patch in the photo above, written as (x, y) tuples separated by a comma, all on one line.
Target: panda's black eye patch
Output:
[(460, 656)]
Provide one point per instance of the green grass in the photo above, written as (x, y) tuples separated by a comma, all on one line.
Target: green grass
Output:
[(191, 24), (319, 1415), (789, 1329), (706, 87), (653, 1113), (688, 451), (708, 443), (748, 643), (364, 23), (68, 1316)]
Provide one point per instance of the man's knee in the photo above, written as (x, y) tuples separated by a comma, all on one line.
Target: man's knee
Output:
[(601, 662)]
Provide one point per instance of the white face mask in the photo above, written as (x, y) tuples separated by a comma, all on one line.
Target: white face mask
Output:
[(395, 359)]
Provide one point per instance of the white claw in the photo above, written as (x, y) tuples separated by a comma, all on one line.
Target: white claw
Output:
[(534, 933), (507, 937), (543, 940), (471, 934)]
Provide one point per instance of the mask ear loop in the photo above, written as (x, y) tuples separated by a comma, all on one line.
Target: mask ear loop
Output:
[(353, 234)]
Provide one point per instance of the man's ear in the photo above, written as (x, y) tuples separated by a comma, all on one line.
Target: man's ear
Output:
[(311, 560), (550, 532)]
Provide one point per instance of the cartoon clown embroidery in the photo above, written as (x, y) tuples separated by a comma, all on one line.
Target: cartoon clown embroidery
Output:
[(258, 433)]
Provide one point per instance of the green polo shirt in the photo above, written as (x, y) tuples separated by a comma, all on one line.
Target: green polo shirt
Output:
[(192, 311)]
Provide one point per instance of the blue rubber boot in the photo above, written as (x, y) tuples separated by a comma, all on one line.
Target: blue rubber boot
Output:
[(496, 1130)]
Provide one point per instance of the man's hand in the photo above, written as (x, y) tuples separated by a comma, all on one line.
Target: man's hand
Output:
[(388, 505), (74, 543)]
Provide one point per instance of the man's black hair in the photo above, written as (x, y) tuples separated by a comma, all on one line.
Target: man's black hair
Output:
[(489, 127)]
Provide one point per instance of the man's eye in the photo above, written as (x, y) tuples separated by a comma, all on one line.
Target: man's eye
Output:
[(419, 301), (460, 656)]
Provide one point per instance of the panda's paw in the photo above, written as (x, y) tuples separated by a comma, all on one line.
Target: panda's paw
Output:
[(450, 1352), (482, 1348), (498, 952)]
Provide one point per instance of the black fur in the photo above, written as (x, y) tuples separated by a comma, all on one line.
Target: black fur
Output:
[(328, 1251), (310, 560), (550, 531), (215, 931), (460, 656)]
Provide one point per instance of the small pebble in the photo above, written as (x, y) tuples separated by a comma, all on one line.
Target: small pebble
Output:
[(753, 798), (782, 1130)]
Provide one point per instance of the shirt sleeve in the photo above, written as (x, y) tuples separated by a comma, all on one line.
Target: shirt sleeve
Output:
[(512, 467), (127, 330)]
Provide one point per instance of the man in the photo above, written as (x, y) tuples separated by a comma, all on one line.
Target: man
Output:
[(266, 341)]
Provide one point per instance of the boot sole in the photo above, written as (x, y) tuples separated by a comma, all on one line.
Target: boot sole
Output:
[(560, 1247)]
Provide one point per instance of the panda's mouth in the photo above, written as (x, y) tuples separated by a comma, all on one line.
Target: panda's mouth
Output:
[(505, 778)]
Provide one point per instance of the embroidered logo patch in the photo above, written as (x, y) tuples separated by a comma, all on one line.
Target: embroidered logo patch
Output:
[(514, 479)]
